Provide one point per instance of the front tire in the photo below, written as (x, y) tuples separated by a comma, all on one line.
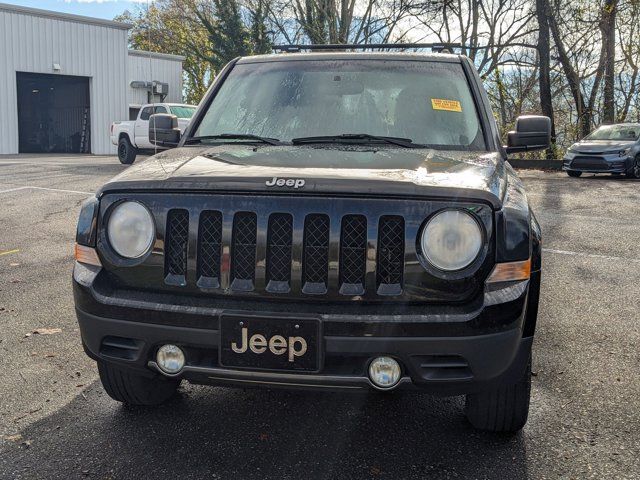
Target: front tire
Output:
[(503, 410), (573, 173), (634, 171), (133, 389), (126, 152)]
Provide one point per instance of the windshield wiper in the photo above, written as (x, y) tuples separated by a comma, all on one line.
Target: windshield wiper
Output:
[(234, 136), (401, 142)]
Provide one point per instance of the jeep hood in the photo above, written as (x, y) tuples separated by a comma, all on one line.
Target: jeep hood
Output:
[(342, 170)]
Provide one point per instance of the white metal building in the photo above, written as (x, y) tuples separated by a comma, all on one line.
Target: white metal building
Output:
[(64, 79), (163, 68)]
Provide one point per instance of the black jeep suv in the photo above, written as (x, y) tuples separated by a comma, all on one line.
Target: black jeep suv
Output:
[(328, 221)]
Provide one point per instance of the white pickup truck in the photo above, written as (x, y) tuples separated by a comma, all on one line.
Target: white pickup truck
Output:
[(133, 136)]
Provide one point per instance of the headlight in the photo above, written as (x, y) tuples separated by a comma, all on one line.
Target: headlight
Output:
[(625, 152), (131, 229), (451, 240)]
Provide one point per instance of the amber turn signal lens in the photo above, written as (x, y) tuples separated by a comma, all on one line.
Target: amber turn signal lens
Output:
[(87, 255), (511, 271)]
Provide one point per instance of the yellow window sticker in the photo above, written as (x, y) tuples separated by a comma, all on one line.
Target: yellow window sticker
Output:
[(446, 105)]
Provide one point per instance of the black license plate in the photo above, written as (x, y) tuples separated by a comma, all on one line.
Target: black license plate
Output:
[(265, 343)]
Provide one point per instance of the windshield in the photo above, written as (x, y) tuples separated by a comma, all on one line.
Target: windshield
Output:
[(616, 132), (182, 111), (429, 103)]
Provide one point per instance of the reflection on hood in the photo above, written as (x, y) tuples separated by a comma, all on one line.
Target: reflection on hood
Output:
[(353, 169)]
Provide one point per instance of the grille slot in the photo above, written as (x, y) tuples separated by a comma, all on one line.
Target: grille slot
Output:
[(353, 249), (176, 240), (243, 251), (315, 256), (209, 249), (279, 243), (390, 262)]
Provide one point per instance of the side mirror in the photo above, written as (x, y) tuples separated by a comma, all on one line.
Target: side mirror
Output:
[(163, 130), (533, 132)]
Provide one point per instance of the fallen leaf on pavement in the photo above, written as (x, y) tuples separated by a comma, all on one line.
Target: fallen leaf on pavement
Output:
[(13, 438), (47, 331)]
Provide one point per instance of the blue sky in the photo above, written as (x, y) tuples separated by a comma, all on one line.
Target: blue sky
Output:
[(90, 8)]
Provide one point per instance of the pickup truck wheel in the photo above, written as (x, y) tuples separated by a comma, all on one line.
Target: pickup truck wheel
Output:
[(126, 152), (634, 171), (573, 173), (503, 410), (132, 389)]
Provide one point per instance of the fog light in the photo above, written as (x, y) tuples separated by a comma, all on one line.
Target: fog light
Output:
[(170, 359), (384, 372)]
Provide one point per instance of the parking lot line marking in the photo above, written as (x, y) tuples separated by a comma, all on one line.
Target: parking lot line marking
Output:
[(590, 255), (7, 252), (47, 189)]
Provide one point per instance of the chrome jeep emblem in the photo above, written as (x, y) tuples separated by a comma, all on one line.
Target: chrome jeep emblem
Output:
[(258, 344), (285, 182)]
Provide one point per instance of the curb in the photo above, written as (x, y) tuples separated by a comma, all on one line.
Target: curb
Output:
[(536, 164)]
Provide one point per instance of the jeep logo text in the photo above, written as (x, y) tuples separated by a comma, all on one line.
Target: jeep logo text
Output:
[(278, 345), (285, 182)]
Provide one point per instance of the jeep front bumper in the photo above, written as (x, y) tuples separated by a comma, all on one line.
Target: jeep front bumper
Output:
[(442, 350)]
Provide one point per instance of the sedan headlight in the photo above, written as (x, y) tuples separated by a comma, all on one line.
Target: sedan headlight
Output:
[(131, 229), (625, 152), (452, 240)]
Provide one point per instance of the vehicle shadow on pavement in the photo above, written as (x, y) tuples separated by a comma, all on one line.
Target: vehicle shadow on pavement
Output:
[(233, 433)]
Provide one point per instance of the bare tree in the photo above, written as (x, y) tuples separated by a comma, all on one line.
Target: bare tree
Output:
[(544, 61), (339, 21), (489, 29), (627, 92), (608, 32)]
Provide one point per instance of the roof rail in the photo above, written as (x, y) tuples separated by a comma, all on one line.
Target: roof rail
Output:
[(435, 47)]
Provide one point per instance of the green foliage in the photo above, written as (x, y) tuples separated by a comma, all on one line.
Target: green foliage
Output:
[(208, 33), (160, 29), (228, 34)]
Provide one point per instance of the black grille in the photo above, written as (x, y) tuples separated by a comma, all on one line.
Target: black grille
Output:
[(593, 163), (279, 241), (243, 251), (390, 265), (209, 249), (315, 262), (353, 249), (177, 236), (229, 247)]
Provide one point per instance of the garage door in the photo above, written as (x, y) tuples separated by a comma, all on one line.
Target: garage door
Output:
[(53, 113)]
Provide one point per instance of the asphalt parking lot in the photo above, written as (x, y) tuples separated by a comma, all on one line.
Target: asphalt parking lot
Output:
[(56, 421)]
